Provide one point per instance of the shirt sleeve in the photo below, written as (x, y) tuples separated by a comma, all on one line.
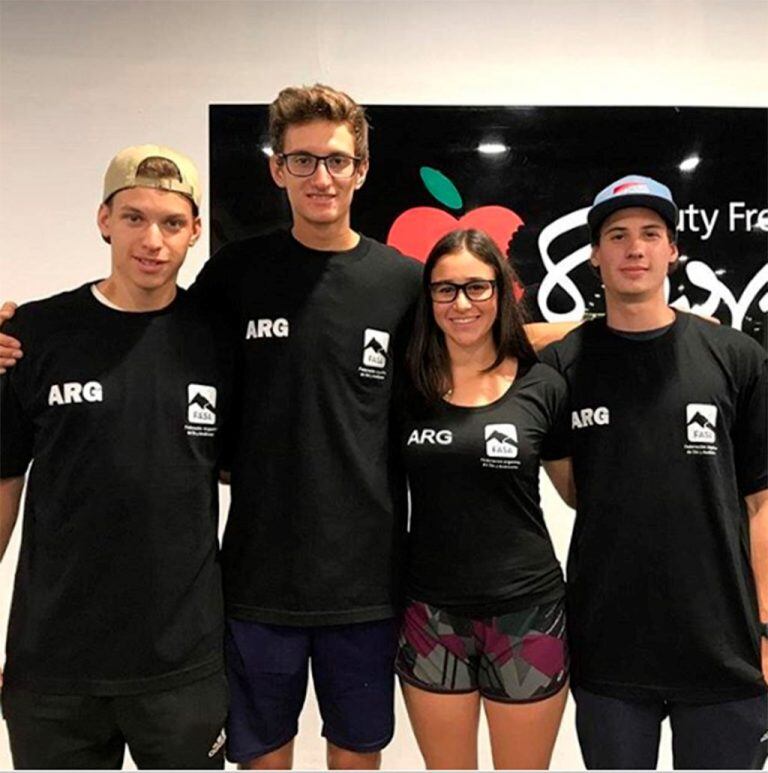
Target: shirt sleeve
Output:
[(548, 356), (17, 432), (751, 430), (210, 287), (557, 441)]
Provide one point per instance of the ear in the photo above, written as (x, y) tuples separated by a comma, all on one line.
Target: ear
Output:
[(277, 170), (103, 221), (197, 226), (594, 257), (362, 173), (674, 253)]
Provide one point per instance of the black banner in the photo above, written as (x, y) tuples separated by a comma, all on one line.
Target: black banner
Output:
[(528, 175)]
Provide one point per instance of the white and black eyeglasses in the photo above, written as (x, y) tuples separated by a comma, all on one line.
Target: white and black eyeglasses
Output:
[(476, 290), (305, 164)]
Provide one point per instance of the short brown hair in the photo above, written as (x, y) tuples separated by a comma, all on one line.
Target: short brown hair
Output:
[(302, 104)]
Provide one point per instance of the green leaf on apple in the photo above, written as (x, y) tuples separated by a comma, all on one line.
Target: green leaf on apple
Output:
[(441, 187)]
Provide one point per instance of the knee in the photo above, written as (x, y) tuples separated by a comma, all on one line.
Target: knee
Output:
[(344, 759), (280, 759)]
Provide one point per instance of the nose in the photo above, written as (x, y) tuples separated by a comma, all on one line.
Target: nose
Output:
[(153, 238), (321, 175), (636, 246), (462, 302)]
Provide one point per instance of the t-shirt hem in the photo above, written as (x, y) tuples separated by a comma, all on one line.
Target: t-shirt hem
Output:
[(495, 607), (307, 618), (110, 687), (696, 695)]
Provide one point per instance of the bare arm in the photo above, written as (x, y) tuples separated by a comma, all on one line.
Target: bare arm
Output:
[(757, 507), (541, 334), (10, 496), (560, 472), (10, 348)]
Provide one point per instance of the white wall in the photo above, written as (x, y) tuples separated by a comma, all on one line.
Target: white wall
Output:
[(79, 80)]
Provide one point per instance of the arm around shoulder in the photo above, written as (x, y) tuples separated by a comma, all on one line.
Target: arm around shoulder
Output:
[(541, 334), (10, 348)]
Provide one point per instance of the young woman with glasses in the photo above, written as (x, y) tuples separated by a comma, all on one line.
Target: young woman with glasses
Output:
[(485, 622)]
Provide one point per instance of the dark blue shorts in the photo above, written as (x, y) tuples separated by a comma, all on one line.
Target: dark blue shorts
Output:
[(353, 675)]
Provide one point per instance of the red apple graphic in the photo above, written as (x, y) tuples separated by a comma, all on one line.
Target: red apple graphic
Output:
[(416, 230)]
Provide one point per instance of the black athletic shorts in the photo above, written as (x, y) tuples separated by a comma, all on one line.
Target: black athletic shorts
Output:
[(177, 728), (617, 734)]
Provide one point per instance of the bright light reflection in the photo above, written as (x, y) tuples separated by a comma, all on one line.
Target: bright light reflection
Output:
[(267, 151), (689, 164), (492, 148)]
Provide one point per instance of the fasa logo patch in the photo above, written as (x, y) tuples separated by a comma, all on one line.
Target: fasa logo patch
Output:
[(700, 420), (375, 348), (375, 354), (201, 410), (501, 441)]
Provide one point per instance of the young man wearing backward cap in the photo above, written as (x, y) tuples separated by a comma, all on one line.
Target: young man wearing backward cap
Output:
[(668, 565), (115, 634)]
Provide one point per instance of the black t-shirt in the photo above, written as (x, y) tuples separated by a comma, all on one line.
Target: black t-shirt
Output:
[(118, 587), (318, 511), (478, 541), (668, 435)]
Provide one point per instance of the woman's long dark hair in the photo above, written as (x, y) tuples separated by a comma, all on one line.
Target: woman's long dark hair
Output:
[(427, 356)]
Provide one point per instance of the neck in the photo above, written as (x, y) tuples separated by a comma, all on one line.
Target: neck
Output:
[(637, 316), (132, 298), (472, 385), (328, 237), (470, 359)]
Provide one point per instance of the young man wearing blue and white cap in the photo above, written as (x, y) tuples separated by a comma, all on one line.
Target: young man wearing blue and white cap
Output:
[(116, 628), (668, 566)]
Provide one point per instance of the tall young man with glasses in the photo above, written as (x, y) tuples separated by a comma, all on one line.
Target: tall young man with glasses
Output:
[(668, 566), (312, 549), (313, 541)]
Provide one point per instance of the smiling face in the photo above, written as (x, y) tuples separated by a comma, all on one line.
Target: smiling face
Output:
[(633, 255), (149, 231), (319, 202), (466, 324)]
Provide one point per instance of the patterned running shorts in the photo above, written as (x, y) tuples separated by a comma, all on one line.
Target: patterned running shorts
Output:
[(518, 657)]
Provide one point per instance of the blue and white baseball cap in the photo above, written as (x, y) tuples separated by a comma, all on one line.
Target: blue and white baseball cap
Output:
[(634, 190)]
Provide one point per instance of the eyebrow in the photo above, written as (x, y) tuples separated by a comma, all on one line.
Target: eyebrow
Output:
[(303, 152), (622, 228), (466, 281), (127, 209)]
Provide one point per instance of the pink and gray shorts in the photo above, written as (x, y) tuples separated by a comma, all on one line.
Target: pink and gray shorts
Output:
[(518, 657)]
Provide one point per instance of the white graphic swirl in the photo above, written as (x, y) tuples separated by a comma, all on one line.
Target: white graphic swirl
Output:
[(557, 273)]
